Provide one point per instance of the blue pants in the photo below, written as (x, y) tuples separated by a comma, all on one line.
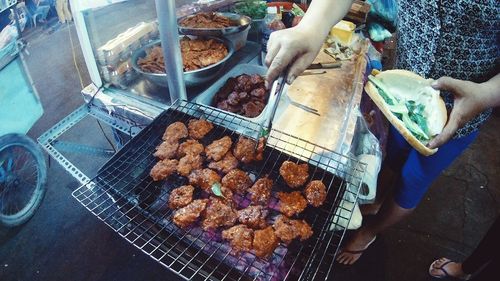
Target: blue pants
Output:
[(417, 172)]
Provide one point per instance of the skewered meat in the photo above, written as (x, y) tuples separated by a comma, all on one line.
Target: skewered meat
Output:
[(218, 148), (189, 214), (264, 242), (237, 180), (204, 178), (166, 150), (163, 169), (260, 192), (175, 132), (225, 165), (206, 20), (180, 196), (253, 217), (245, 150), (189, 163), (240, 237), (217, 214), (294, 175), (315, 193), (198, 128), (192, 147), (287, 230), (291, 203)]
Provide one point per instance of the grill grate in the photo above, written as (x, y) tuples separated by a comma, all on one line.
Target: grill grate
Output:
[(124, 197)]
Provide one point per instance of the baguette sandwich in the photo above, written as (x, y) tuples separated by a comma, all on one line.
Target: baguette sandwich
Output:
[(412, 106)]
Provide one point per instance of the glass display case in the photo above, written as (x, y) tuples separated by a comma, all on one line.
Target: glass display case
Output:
[(118, 38)]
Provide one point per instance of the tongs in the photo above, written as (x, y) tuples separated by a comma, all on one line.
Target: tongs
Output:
[(279, 85)]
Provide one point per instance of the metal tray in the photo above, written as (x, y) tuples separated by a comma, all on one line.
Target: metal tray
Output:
[(242, 21)]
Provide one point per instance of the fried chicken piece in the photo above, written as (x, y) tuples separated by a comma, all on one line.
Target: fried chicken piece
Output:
[(240, 237), (245, 150), (175, 132), (192, 147), (218, 213), (204, 179), (189, 214), (163, 169), (260, 192), (264, 242), (291, 203), (315, 192), (198, 128), (294, 175), (225, 165), (237, 180), (189, 163), (253, 217), (287, 230), (218, 148), (180, 196), (166, 150)]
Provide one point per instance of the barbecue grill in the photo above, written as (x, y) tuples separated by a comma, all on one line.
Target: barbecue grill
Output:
[(124, 197)]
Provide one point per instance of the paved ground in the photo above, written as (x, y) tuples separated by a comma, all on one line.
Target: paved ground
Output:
[(64, 241)]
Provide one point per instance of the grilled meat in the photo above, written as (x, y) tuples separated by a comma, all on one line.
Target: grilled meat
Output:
[(189, 163), (291, 203), (225, 165), (264, 242), (204, 178), (198, 128), (237, 180), (218, 214), (240, 237), (295, 175), (253, 217), (175, 132), (260, 192), (192, 147), (287, 230), (315, 192), (218, 148), (206, 20), (166, 150), (188, 215), (180, 196), (163, 169), (245, 150)]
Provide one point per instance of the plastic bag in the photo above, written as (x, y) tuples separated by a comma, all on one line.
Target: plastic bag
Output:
[(384, 12)]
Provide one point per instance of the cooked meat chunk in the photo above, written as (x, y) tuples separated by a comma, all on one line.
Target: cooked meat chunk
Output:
[(237, 180), (218, 214), (291, 203), (245, 150), (206, 20), (225, 165), (189, 163), (253, 217), (189, 214), (253, 108), (163, 169), (175, 132), (192, 147), (257, 80), (287, 230), (218, 148), (166, 150), (264, 242), (180, 196), (240, 237), (204, 179), (315, 193), (260, 192), (198, 128), (294, 175)]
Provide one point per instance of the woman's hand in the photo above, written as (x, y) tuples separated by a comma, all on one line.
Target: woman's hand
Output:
[(295, 47), (469, 102)]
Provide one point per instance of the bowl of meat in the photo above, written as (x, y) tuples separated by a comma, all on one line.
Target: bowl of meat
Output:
[(213, 24), (202, 57)]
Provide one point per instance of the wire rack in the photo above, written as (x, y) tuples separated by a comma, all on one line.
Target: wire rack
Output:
[(124, 197)]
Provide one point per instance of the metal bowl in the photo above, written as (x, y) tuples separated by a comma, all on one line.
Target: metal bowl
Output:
[(191, 78), (242, 23)]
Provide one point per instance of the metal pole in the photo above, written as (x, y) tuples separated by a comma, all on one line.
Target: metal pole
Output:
[(169, 36)]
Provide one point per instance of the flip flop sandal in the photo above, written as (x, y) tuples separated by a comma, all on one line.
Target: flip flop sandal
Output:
[(359, 251), (446, 274)]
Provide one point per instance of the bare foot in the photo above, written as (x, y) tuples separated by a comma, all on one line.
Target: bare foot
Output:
[(353, 250), (444, 267)]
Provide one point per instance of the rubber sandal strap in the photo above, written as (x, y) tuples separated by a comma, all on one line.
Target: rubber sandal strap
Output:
[(444, 270)]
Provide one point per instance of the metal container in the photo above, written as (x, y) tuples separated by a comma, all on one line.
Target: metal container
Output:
[(242, 23), (191, 78)]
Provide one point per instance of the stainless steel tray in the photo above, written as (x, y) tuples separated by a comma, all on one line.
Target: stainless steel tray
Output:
[(242, 21)]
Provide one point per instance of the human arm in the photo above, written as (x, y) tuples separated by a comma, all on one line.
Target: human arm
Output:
[(470, 100), (299, 45)]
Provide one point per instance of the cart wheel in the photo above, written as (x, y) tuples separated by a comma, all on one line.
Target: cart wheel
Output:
[(23, 175)]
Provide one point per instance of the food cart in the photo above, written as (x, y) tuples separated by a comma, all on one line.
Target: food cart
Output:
[(315, 124)]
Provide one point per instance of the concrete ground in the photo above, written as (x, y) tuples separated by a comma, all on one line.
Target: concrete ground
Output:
[(63, 241)]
